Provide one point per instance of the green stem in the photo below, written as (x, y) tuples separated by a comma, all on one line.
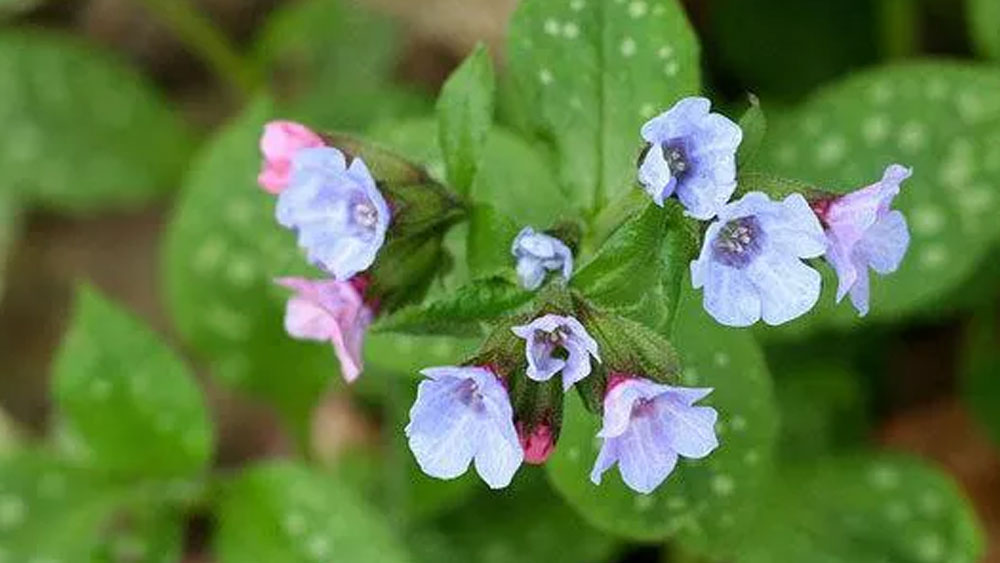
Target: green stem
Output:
[(207, 42), (900, 21)]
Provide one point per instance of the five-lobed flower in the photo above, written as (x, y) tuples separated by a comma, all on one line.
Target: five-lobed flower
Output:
[(647, 426), (751, 264), (554, 344), (537, 254), (862, 232), (691, 152)]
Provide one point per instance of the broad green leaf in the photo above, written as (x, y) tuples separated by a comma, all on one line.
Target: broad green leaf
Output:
[(465, 115), (702, 501), (754, 126), (864, 510), (49, 510), (942, 119), (81, 130), (984, 21), (222, 252), (590, 72), (528, 523), (514, 175), (491, 235), (130, 401), (979, 370), (331, 62), (460, 312), (638, 270), (286, 512)]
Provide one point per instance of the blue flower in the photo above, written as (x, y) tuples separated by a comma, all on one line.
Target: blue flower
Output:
[(463, 414), (692, 153), (537, 254), (862, 231), (750, 264), (556, 344), (339, 214), (647, 425)]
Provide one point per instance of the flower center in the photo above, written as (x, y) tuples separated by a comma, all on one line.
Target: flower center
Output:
[(365, 214), (738, 242), (675, 153), (469, 395), (642, 407)]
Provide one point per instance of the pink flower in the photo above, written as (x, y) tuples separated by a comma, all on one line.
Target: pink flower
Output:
[(279, 143), (329, 310), (537, 442)]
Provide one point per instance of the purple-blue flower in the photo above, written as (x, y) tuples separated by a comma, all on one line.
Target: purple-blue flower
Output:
[(751, 261), (692, 153), (537, 254), (862, 232), (463, 414), (339, 214), (647, 425), (554, 343)]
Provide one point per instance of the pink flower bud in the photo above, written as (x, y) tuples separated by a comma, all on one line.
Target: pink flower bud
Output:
[(279, 143), (537, 442)]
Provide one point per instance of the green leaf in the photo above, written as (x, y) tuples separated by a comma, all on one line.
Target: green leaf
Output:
[(491, 234), (980, 364), (638, 270), (81, 130), (222, 252), (465, 115), (943, 119), (528, 523), (590, 72), (51, 510), (754, 126), (460, 312), (511, 173), (702, 500), (984, 19), (863, 510), (129, 400), (332, 61), (286, 512)]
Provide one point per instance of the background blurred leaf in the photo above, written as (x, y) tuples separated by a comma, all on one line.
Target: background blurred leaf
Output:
[(151, 534), (465, 116), (332, 62), (589, 73), (491, 236), (879, 509), (287, 512), (10, 8), (979, 371), (81, 130), (124, 394), (754, 126), (984, 22), (527, 523), (943, 119), (51, 511), (702, 501), (10, 228), (223, 249)]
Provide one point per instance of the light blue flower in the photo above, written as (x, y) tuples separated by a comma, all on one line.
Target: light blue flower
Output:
[(862, 231), (554, 344), (538, 254), (750, 264), (647, 425), (463, 414), (340, 216), (691, 153)]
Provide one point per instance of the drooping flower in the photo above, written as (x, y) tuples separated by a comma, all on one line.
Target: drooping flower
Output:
[(647, 425), (279, 144), (463, 414), (537, 441), (554, 344), (691, 153), (537, 254), (329, 311), (751, 261), (339, 214), (862, 231)]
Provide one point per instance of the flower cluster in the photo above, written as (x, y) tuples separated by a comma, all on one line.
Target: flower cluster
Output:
[(752, 264), (503, 408)]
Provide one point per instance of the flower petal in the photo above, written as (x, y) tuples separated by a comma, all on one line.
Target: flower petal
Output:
[(787, 287), (675, 121), (655, 176), (690, 430), (730, 297), (885, 243), (793, 227), (605, 459), (645, 459), (499, 452), (443, 432)]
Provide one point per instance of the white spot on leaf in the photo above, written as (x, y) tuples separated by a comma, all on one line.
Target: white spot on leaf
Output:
[(628, 47), (637, 9)]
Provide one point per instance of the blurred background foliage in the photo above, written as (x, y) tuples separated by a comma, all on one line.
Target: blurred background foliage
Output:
[(155, 410)]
